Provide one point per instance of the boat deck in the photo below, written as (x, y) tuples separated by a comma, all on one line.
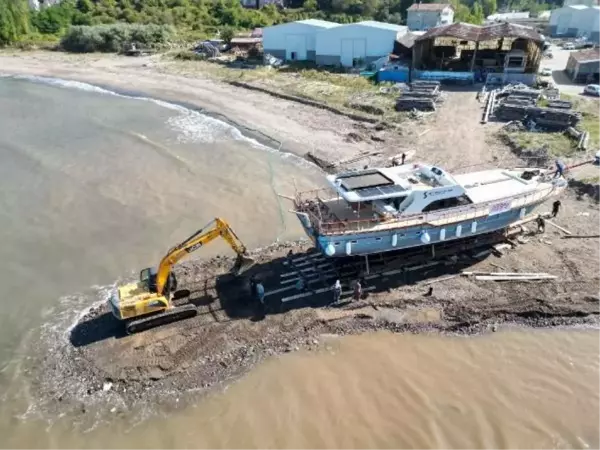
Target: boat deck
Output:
[(492, 185)]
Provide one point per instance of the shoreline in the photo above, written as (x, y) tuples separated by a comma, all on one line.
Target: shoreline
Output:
[(257, 115), (194, 355), (209, 352)]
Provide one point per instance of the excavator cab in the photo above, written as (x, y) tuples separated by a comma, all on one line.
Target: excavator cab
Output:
[(148, 302), (148, 279)]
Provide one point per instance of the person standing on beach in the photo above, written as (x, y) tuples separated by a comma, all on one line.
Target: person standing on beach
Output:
[(337, 291), (357, 290)]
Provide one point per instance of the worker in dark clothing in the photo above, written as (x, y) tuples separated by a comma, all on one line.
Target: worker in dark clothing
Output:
[(337, 291), (560, 169), (541, 224), (403, 156), (357, 290), (260, 293), (555, 208)]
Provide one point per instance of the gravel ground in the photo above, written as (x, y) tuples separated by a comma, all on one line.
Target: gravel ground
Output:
[(231, 334)]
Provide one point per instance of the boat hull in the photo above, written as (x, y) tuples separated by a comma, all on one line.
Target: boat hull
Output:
[(373, 242)]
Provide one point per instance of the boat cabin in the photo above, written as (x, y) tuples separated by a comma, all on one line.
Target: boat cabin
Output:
[(396, 191)]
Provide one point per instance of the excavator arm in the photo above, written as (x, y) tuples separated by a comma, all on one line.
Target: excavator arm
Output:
[(197, 240)]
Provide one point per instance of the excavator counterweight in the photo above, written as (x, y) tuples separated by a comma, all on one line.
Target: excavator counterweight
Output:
[(148, 302)]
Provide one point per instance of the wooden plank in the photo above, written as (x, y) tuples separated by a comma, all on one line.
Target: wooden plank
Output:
[(507, 273), (506, 278), (559, 227)]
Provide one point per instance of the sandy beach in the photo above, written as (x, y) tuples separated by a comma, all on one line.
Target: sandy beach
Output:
[(297, 128)]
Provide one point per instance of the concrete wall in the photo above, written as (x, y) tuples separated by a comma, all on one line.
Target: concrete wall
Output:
[(369, 43)]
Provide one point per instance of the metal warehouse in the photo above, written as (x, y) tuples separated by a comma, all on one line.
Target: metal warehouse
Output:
[(294, 41), (357, 44), (584, 66), (567, 21)]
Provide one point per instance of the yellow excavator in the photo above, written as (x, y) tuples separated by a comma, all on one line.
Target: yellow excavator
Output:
[(149, 302)]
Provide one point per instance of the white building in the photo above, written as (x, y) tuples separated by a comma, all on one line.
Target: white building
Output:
[(566, 21), (595, 31), (507, 17), (580, 2), (356, 43), (423, 16), (294, 41)]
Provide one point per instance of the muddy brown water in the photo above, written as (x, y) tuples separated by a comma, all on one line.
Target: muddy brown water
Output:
[(95, 187)]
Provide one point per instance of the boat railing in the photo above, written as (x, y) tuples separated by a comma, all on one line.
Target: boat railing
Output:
[(325, 223)]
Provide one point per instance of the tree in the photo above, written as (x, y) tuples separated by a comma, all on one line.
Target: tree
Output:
[(14, 20), (489, 7), (477, 13), (310, 5), (227, 34)]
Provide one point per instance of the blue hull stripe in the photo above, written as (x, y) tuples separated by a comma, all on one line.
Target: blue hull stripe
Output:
[(382, 241)]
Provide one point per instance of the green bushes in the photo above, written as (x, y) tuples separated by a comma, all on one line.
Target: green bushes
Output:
[(14, 20), (110, 38)]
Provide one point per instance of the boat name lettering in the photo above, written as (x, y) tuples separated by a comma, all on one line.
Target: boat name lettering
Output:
[(500, 207), (429, 193)]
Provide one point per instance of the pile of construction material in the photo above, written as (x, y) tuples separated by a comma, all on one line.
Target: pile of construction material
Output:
[(519, 102), (551, 94), (582, 137), (560, 104), (552, 118), (422, 96)]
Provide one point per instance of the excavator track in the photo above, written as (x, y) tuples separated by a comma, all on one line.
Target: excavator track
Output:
[(173, 315)]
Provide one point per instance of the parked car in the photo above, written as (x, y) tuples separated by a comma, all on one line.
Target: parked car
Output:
[(546, 72), (569, 46), (592, 89), (548, 55)]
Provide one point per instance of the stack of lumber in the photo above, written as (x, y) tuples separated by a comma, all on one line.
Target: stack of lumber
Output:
[(519, 100), (521, 91), (560, 104), (405, 103), (510, 276), (422, 96), (424, 84), (552, 94), (545, 117)]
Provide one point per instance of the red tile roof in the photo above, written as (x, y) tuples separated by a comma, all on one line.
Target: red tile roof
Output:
[(469, 32), (429, 6)]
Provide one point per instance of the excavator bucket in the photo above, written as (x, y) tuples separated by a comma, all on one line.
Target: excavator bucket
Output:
[(242, 264)]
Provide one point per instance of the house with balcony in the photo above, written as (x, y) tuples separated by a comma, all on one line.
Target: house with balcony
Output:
[(423, 16)]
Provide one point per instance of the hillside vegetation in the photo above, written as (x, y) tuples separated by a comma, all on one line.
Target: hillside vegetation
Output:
[(194, 19)]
